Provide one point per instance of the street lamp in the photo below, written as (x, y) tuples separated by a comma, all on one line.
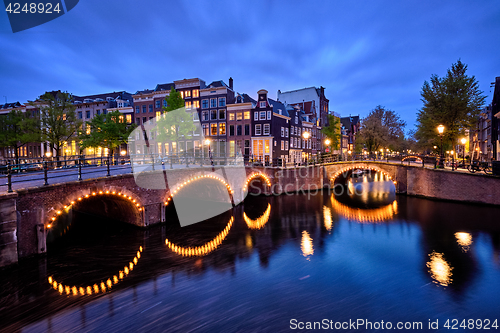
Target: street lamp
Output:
[(440, 129), (207, 142), (464, 141), (48, 154)]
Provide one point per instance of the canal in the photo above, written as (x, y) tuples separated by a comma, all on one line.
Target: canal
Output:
[(269, 265)]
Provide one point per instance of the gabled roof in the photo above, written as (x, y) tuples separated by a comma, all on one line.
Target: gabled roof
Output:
[(347, 122), (245, 98), (10, 105), (123, 95), (164, 86), (217, 84), (145, 91), (277, 106)]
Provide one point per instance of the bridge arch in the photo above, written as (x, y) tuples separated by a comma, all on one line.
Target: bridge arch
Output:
[(257, 175), (344, 170), (73, 201), (417, 158)]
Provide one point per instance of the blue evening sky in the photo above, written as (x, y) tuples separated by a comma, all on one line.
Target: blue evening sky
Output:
[(364, 53)]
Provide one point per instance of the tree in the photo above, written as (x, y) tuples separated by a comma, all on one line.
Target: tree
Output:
[(381, 128), (454, 101), (332, 132), (59, 120), (17, 128), (109, 131), (176, 123)]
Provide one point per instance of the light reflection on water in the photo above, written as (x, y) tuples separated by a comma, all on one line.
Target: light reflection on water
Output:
[(305, 257)]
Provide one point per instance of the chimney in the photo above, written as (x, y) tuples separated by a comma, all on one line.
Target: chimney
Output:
[(231, 83)]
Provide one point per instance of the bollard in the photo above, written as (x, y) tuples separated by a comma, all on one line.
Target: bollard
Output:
[(45, 169), (9, 177), (80, 167), (108, 174)]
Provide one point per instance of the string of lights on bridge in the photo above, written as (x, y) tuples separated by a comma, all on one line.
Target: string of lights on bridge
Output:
[(102, 287), (360, 167), (195, 178), (93, 194), (255, 175)]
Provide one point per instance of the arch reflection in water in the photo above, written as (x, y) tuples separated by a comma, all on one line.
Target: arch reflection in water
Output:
[(306, 244), (259, 222), (365, 215), (203, 249), (102, 287), (464, 239), (440, 269)]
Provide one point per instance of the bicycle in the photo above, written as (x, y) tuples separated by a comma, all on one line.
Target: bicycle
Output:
[(479, 166)]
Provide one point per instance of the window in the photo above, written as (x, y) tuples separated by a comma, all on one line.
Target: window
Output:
[(138, 121), (247, 129), (206, 132), (213, 129), (286, 145), (231, 115), (188, 104), (87, 114), (286, 132), (204, 104), (182, 94), (158, 114), (262, 104), (165, 103), (137, 109), (129, 118), (282, 145), (158, 104), (104, 111), (239, 116), (222, 129), (121, 119), (262, 115), (80, 115), (296, 120), (222, 101), (268, 115), (247, 115), (87, 130), (282, 131), (144, 109), (256, 115), (222, 114), (144, 119), (213, 115), (195, 116), (196, 104), (231, 130), (150, 107), (196, 93), (98, 112), (267, 129), (187, 94), (213, 102), (298, 131), (204, 115), (238, 130), (231, 148), (257, 129)]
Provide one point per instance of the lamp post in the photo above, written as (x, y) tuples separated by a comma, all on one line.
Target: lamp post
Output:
[(440, 129), (306, 136), (464, 141), (207, 142)]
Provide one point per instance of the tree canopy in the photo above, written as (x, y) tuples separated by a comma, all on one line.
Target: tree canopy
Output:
[(58, 117), (332, 132), (109, 131), (454, 101), (17, 128), (381, 129)]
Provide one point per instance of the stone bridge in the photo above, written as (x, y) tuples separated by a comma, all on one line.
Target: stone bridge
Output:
[(27, 214)]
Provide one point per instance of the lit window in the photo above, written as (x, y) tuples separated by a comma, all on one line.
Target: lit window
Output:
[(231, 148), (182, 94), (120, 119), (205, 130), (87, 129), (231, 115), (222, 129), (267, 129), (188, 104), (247, 115), (187, 94), (158, 114), (213, 129), (239, 116), (286, 145), (129, 118), (257, 129), (204, 104), (196, 93), (196, 104), (282, 145)]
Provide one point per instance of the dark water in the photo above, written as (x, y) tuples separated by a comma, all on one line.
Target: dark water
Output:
[(307, 257)]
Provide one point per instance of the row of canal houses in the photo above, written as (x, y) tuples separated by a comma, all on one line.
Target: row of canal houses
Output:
[(236, 124), (263, 129)]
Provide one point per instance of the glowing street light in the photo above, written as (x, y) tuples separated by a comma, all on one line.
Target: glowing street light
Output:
[(464, 141), (440, 129), (306, 135), (327, 142)]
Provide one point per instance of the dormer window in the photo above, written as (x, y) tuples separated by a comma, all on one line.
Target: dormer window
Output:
[(263, 104)]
